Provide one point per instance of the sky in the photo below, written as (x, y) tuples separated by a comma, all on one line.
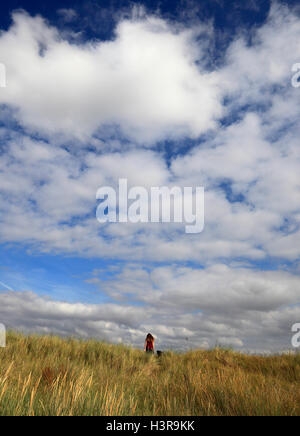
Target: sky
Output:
[(161, 93)]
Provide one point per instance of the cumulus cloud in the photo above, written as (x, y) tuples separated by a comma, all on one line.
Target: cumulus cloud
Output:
[(27, 311), (48, 187), (145, 80), (254, 68), (215, 289), (183, 307)]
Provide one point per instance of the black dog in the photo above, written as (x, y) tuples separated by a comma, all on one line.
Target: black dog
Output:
[(159, 353)]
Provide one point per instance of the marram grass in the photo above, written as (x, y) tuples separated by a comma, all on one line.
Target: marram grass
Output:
[(45, 375)]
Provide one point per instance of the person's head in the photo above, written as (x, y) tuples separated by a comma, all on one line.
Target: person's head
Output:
[(150, 337)]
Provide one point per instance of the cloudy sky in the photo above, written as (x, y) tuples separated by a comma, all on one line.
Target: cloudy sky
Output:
[(177, 93)]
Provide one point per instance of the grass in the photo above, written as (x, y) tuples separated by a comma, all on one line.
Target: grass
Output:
[(45, 375)]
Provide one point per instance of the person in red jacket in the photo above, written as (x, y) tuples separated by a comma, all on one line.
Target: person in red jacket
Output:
[(149, 343)]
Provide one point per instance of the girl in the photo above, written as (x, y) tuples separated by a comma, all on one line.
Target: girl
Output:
[(149, 343)]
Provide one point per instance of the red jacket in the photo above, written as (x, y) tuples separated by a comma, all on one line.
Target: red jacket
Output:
[(149, 344)]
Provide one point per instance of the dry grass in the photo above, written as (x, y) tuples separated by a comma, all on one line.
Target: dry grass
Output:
[(53, 376)]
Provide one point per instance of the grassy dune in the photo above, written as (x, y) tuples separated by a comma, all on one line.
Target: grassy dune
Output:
[(54, 376)]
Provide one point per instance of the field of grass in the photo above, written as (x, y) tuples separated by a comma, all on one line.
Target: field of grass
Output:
[(53, 376)]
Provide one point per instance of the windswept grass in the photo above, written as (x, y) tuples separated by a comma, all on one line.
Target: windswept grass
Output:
[(54, 376)]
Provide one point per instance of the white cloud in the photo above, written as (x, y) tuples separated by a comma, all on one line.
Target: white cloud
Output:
[(145, 81), (214, 289), (67, 14), (54, 189), (253, 69), (182, 307)]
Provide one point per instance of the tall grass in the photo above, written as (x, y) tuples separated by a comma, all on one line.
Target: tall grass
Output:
[(52, 376)]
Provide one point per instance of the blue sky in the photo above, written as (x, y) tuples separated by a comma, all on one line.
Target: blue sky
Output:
[(230, 15), (162, 93)]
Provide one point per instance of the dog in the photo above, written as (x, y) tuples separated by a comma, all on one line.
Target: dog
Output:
[(159, 353)]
